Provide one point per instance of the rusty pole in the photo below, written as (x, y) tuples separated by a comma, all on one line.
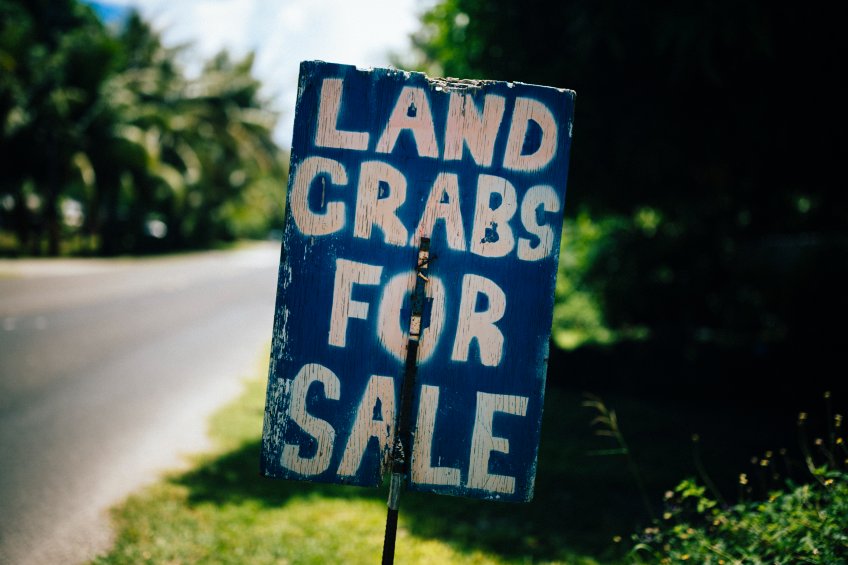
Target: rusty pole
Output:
[(402, 448)]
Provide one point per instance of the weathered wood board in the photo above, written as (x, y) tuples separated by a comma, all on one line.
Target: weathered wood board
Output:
[(381, 158)]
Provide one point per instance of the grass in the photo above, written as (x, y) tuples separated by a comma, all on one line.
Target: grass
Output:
[(222, 511)]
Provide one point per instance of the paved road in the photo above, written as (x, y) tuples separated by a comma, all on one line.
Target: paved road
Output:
[(108, 370)]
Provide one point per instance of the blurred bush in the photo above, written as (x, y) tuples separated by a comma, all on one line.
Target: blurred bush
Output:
[(802, 524), (107, 147), (704, 191)]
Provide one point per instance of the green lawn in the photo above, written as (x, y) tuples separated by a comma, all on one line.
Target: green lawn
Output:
[(222, 511)]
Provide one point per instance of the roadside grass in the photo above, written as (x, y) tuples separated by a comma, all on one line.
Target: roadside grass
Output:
[(222, 511)]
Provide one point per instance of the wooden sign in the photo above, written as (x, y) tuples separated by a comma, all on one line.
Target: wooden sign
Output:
[(381, 158)]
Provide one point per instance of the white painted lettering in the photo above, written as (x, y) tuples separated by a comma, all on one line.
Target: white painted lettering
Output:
[(381, 191), (465, 124), (547, 198), (492, 235), (378, 400), (484, 442), (527, 110), (320, 430), (307, 221), (349, 273), (422, 451), (389, 329), (411, 112), (327, 133), (442, 204), (480, 325)]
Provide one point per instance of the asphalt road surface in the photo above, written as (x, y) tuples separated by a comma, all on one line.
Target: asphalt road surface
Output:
[(108, 372)]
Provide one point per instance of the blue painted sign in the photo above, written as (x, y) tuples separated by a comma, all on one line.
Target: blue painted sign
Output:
[(381, 158)]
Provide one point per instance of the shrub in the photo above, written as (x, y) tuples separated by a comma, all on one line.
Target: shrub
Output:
[(802, 524)]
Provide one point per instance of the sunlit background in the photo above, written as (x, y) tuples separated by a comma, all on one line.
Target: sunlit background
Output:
[(700, 298), (281, 34)]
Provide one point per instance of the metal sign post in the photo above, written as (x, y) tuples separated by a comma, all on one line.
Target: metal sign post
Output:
[(403, 445)]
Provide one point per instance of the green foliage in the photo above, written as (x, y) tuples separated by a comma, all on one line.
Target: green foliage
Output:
[(706, 145), (257, 210), (578, 318), (794, 521), (606, 423), (221, 511), (106, 142), (801, 524)]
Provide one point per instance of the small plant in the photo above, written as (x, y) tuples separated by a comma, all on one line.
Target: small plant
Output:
[(802, 521), (804, 524), (606, 425)]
